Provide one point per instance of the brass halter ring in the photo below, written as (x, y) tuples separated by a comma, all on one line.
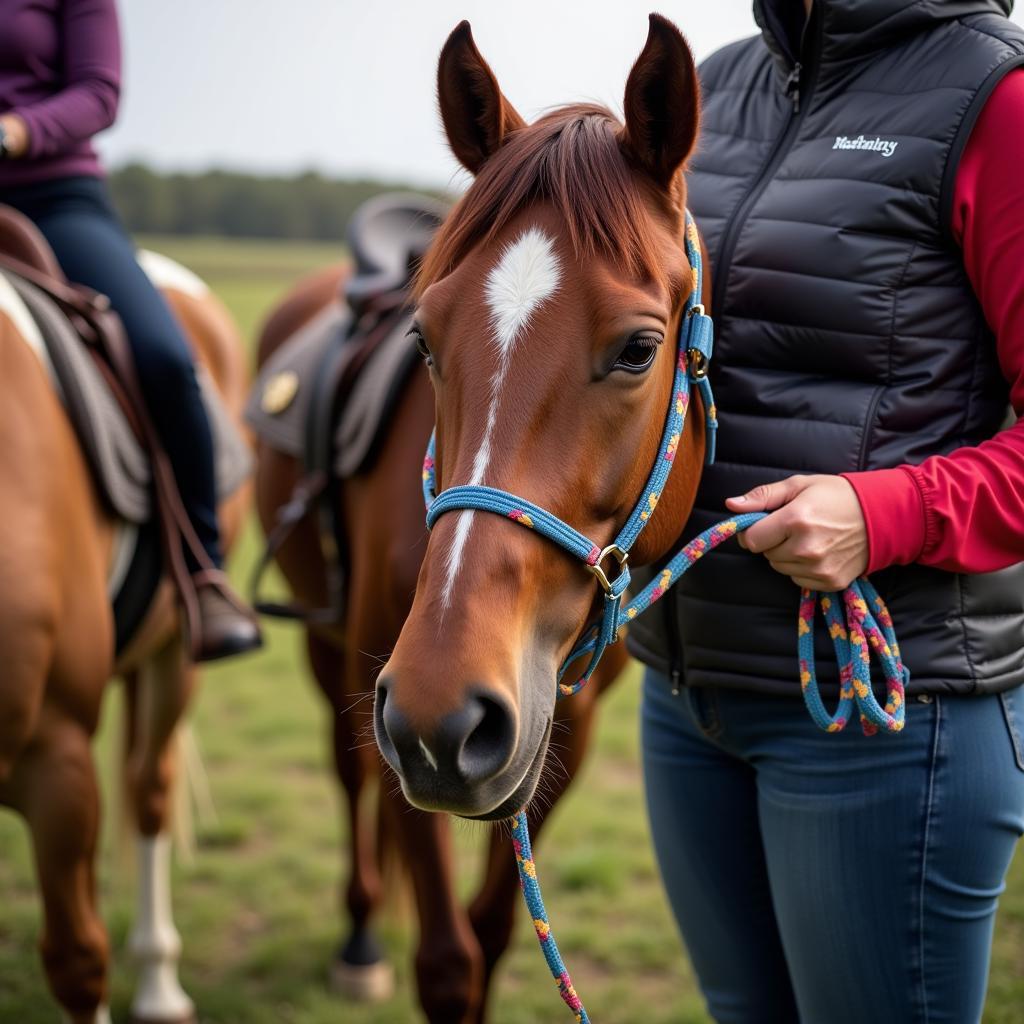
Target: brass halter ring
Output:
[(602, 577)]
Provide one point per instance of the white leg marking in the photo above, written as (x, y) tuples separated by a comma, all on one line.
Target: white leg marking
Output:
[(527, 273), (102, 1016), (155, 942)]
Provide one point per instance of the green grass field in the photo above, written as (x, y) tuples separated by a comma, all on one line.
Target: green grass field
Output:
[(258, 907)]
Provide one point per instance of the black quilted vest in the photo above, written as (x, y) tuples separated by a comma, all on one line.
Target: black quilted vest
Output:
[(848, 336)]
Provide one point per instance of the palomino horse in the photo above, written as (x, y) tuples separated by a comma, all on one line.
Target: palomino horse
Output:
[(382, 510), (547, 308), (57, 648)]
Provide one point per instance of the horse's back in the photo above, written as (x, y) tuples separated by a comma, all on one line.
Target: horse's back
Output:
[(308, 297)]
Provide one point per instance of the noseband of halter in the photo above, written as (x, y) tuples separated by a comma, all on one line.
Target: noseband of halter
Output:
[(694, 347)]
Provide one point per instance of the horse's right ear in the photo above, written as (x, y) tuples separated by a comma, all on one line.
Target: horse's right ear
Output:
[(477, 117), (662, 103)]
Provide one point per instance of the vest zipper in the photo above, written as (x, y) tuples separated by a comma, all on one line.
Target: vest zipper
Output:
[(675, 640), (720, 268), (793, 86)]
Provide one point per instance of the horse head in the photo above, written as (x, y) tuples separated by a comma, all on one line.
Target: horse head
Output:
[(547, 308)]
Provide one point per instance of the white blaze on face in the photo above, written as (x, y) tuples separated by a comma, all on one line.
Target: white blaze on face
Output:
[(526, 275)]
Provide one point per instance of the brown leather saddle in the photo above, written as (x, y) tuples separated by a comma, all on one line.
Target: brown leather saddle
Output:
[(20, 239), (344, 384), (25, 253)]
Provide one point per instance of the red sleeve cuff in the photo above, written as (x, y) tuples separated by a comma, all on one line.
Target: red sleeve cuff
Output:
[(894, 514)]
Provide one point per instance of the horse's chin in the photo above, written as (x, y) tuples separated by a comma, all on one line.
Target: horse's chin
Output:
[(523, 793)]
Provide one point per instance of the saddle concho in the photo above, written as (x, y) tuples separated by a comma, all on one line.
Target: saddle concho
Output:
[(279, 392)]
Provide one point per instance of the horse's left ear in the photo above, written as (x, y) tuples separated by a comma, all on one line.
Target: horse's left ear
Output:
[(477, 117), (662, 103)]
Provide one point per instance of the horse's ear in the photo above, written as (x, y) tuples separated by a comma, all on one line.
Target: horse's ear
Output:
[(477, 117), (662, 103)]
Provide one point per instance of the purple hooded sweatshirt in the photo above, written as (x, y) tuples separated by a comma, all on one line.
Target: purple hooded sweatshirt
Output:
[(60, 69)]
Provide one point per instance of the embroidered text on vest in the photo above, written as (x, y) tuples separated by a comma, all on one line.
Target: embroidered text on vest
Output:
[(884, 146)]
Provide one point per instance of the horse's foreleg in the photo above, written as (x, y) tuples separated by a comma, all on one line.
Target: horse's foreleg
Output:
[(359, 969), (449, 965), (448, 961), (164, 686), (54, 786)]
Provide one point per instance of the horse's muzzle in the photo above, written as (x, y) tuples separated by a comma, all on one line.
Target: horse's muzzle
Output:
[(464, 765)]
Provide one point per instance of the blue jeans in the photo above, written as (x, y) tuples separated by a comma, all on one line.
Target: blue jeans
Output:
[(834, 878), (79, 222)]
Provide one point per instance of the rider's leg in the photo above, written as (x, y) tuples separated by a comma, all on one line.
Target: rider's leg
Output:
[(94, 250)]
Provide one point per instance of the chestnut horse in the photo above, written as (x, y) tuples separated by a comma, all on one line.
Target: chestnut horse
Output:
[(57, 648), (383, 515), (547, 308)]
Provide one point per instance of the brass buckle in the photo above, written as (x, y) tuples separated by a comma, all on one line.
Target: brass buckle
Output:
[(698, 364), (697, 360), (620, 556)]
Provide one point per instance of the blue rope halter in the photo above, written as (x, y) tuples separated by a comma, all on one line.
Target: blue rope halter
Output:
[(863, 631)]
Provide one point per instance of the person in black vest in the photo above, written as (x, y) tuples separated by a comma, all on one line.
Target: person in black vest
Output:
[(859, 186)]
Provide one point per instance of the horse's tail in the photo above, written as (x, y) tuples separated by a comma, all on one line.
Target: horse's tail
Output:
[(192, 800), (191, 804), (396, 882)]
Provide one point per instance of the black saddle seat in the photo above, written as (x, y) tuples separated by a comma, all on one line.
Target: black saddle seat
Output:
[(388, 235)]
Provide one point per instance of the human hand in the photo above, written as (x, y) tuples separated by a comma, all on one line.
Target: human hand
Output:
[(15, 135), (815, 533)]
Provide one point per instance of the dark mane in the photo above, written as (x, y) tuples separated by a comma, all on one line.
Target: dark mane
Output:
[(571, 158)]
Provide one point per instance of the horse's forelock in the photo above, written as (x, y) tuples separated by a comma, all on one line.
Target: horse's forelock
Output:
[(572, 159)]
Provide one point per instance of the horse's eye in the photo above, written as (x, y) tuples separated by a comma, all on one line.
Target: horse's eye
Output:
[(639, 354), (421, 345)]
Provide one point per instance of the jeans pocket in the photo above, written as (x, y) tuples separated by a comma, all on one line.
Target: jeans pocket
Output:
[(704, 708), (1013, 712)]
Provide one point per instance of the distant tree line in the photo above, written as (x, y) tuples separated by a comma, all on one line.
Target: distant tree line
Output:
[(216, 202)]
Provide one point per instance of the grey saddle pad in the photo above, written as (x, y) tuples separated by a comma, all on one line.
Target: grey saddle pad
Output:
[(118, 461), (279, 405)]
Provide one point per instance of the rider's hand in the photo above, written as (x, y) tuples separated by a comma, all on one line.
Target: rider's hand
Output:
[(15, 135), (815, 534)]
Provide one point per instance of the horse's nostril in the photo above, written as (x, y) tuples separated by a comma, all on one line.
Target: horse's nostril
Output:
[(385, 723), (490, 743)]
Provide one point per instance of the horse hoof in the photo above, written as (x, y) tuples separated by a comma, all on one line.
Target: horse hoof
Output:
[(364, 983)]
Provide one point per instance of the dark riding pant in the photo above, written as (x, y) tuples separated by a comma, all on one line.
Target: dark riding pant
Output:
[(79, 222), (834, 878)]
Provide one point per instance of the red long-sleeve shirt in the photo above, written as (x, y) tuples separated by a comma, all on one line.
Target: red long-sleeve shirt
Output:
[(965, 511)]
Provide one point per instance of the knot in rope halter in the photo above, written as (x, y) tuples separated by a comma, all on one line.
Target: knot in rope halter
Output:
[(865, 628)]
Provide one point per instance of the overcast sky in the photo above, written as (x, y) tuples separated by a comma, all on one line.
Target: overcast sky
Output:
[(347, 86)]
